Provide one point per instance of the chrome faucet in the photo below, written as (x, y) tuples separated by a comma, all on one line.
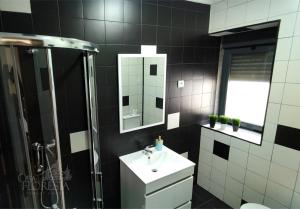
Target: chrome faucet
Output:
[(147, 150)]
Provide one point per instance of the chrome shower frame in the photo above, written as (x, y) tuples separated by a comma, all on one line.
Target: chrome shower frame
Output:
[(47, 42)]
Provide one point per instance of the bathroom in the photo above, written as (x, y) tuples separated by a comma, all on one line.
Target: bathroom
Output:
[(86, 101)]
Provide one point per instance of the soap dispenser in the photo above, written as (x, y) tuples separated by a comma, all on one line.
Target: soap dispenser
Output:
[(159, 143)]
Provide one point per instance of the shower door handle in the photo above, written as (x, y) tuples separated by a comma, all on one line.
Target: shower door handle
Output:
[(38, 149)]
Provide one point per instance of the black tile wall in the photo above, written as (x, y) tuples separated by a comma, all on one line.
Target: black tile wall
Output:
[(179, 28), (288, 137)]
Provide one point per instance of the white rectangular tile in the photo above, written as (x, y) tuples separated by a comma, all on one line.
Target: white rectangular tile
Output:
[(258, 165), (207, 143), (287, 24), (283, 49), (279, 193), (264, 151), (234, 186), (207, 132), (297, 186), (237, 156), (257, 9), (218, 177), (232, 3), (217, 21), (269, 132), (276, 92), (204, 169), (289, 116), (256, 182), (291, 94), (220, 6), (296, 201), (222, 138), (297, 25), (252, 196), (173, 120), (272, 113), (236, 172), (278, 7), (295, 52), (203, 181), (239, 144), (217, 190), (269, 202), (232, 200), (286, 157), (79, 141), (205, 157), (236, 15), (219, 163), (16, 6), (293, 72), (283, 175), (279, 71)]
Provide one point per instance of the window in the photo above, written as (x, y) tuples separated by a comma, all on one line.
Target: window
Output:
[(245, 84)]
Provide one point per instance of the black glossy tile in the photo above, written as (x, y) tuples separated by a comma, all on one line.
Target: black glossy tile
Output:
[(114, 32), (177, 36), (198, 86), (178, 18), (125, 101), (173, 90), (114, 10), (188, 88), (49, 7), (70, 8), (109, 54), (164, 16), (200, 196), (176, 55), (159, 103), (148, 34), (287, 137), (46, 24), (72, 28), (221, 150), (173, 105), (16, 22), (163, 36), (190, 19), (188, 54), (94, 31), (149, 14), (93, 9), (202, 21), (153, 70), (132, 11), (132, 33)]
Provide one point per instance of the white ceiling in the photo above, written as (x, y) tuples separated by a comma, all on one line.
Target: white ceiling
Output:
[(205, 1)]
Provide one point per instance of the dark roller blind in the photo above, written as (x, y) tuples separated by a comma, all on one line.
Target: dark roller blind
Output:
[(251, 66)]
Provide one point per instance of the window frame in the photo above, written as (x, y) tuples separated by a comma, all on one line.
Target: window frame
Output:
[(226, 66)]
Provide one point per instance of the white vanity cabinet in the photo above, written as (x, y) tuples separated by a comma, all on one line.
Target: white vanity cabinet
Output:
[(163, 182)]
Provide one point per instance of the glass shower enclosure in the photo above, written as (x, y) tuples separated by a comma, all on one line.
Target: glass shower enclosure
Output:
[(31, 174)]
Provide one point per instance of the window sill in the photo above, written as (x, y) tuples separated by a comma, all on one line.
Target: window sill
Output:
[(243, 134)]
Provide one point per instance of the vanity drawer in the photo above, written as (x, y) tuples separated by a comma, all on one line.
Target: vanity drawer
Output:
[(172, 196), (187, 205)]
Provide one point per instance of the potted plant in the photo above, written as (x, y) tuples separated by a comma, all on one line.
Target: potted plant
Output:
[(212, 120), (223, 120), (236, 124)]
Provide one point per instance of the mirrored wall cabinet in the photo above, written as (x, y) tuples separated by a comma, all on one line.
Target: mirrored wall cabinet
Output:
[(142, 87)]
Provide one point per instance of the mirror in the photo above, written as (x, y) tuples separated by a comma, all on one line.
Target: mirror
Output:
[(142, 86)]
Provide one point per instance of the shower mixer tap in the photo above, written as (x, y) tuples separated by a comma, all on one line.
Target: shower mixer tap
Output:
[(38, 148)]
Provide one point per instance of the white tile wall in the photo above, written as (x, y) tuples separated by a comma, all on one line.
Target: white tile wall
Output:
[(293, 72), (279, 71), (271, 174), (280, 193), (282, 175)]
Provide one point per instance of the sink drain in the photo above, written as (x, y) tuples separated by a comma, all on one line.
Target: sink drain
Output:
[(154, 170)]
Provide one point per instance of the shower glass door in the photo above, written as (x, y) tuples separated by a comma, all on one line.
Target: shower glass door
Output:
[(29, 131)]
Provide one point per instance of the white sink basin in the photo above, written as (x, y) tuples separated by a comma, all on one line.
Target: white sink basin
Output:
[(162, 167)]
